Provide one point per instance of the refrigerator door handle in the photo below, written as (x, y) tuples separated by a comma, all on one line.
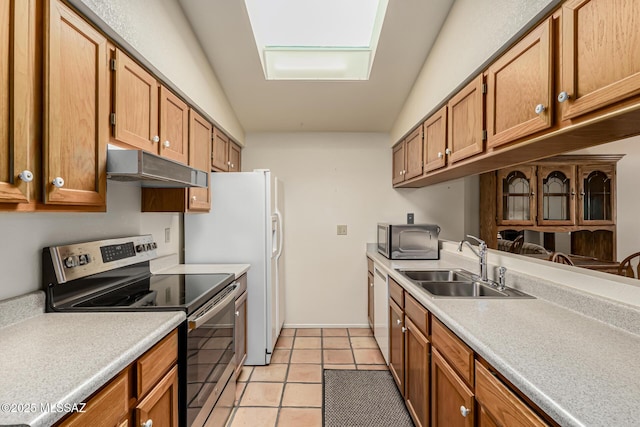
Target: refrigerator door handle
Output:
[(280, 233)]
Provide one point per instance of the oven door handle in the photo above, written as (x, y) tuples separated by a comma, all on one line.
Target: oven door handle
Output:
[(199, 319)]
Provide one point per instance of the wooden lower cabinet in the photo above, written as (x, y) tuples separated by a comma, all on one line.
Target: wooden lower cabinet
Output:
[(416, 388), (396, 344), (452, 401), (160, 406)]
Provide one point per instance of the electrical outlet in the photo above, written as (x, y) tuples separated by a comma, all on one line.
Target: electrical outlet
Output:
[(410, 218), (167, 235), (342, 230)]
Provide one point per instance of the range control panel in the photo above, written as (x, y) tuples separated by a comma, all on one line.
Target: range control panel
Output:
[(84, 259)]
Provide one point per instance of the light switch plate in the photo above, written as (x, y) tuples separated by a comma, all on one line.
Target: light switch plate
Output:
[(167, 235), (342, 230)]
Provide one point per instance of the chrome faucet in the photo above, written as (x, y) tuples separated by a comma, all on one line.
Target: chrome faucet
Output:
[(481, 253)]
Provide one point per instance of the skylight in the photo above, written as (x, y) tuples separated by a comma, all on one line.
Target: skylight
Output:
[(316, 39)]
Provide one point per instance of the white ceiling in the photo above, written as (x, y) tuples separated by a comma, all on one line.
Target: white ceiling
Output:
[(408, 32)]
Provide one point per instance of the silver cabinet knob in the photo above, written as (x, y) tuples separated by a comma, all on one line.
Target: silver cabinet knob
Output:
[(194, 198), (155, 139), (228, 163), (58, 182), (26, 176), (237, 314), (440, 155), (166, 144), (232, 166), (148, 423), (371, 284), (398, 321), (533, 193), (447, 151), (464, 411), (563, 96), (582, 193), (404, 329), (540, 109)]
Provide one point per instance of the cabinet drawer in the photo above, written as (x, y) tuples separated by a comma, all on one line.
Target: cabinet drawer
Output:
[(156, 362), (502, 403), (107, 407), (370, 265), (457, 353), (396, 292), (417, 313)]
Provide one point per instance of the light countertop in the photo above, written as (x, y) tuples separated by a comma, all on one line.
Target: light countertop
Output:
[(235, 269), (579, 370)]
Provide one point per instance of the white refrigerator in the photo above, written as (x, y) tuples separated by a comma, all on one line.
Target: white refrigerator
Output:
[(245, 226)]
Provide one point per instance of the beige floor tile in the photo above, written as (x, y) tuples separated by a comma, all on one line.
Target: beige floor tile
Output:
[(360, 332), (261, 394), (280, 356), (338, 356), (245, 373), (239, 389), (300, 417), (368, 357), (288, 332), (270, 373), (306, 395), (306, 356), (336, 342), (350, 366), (307, 343), (334, 332), (304, 373), (373, 367), (308, 332), (284, 342), (254, 417), (363, 342)]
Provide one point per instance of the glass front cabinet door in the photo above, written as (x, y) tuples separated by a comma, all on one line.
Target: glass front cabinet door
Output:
[(516, 196), (556, 198), (597, 185)]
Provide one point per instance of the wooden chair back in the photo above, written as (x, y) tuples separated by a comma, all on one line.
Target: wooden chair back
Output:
[(516, 246), (626, 266), (560, 258)]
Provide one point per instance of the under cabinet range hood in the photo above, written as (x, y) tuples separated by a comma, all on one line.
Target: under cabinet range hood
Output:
[(151, 170)]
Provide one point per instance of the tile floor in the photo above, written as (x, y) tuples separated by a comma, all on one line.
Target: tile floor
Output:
[(288, 392)]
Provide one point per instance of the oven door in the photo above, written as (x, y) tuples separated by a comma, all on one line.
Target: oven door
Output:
[(211, 360)]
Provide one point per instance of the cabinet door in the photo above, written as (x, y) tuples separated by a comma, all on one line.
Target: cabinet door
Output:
[(220, 153), (466, 121), (519, 84), (76, 109), (597, 194), (199, 155), (435, 140), (396, 344), (174, 127), (556, 195), (398, 167), (516, 196), (417, 352), (452, 403), (136, 105), (240, 338), (601, 54), (160, 405), (414, 146), (14, 101), (234, 157), (370, 300)]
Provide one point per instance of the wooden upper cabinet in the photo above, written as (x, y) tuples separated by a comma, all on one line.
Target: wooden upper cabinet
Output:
[(435, 140), (600, 54), (15, 92), (135, 104), (519, 89), (76, 108), (516, 195), (220, 151), (174, 127), (466, 121), (597, 194), (556, 195), (234, 157), (414, 147), (398, 165), (199, 155)]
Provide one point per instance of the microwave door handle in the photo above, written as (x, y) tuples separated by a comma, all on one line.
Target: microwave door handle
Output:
[(199, 319)]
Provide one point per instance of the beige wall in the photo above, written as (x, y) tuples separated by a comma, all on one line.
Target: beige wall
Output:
[(159, 31), (342, 178), (473, 31)]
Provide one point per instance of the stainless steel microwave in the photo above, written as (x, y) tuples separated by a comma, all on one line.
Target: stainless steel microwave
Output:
[(408, 241)]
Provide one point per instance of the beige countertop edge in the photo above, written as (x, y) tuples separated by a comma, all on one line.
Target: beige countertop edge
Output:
[(235, 269)]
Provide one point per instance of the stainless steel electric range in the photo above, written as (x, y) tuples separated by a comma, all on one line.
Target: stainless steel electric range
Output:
[(114, 275)]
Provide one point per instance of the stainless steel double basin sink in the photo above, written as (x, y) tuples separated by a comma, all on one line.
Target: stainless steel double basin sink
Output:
[(457, 283)]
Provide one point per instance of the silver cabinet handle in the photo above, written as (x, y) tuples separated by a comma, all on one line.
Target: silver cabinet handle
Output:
[(26, 176), (540, 109), (237, 314), (148, 423), (166, 144), (563, 96), (447, 151), (58, 182), (398, 321), (440, 155), (155, 139), (404, 329), (464, 411)]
